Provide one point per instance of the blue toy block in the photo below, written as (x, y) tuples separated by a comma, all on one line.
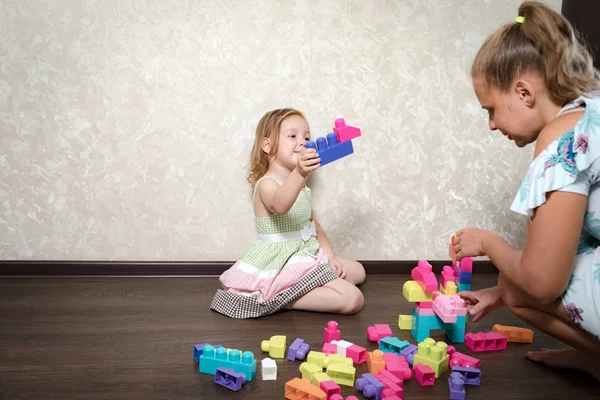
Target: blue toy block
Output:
[(230, 379), (457, 386), (465, 277), (464, 287), (298, 350), (392, 345), (330, 149), (470, 376), (369, 386), (212, 358), (409, 353)]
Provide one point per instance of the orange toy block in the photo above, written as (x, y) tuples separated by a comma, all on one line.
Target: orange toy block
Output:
[(301, 389), (514, 334), (375, 362)]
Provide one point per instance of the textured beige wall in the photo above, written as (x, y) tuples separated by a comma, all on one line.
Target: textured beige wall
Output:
[(126, 126)]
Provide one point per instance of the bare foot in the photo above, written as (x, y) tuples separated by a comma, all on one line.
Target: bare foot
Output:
[(566, 358)]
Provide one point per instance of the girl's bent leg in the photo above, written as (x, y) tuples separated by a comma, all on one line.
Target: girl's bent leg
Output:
[(338, 296), (355, 272)]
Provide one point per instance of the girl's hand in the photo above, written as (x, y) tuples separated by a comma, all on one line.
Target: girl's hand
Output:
[(338, 267), (468, 242), (482, 302), (308, 161)]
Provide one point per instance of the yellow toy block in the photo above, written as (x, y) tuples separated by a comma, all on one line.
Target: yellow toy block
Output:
[(451, 288), (336, 359), (405, 322), (342, 374), (319, 377), (433, 354), (317, 358), (307, 370), (275, 346), (413, 292)]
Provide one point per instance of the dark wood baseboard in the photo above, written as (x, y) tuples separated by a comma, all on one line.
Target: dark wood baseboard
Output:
[(53, 268)]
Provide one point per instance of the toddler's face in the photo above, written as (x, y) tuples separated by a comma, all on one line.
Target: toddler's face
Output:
[(507, 113), (293, 135)]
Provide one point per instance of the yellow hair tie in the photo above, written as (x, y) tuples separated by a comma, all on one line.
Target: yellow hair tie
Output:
[(519, 19)]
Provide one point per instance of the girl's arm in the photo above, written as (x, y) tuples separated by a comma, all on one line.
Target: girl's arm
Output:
[(279, 199)]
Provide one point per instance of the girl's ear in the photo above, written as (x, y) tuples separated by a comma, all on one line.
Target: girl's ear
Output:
[(526, 92), (266, 145)]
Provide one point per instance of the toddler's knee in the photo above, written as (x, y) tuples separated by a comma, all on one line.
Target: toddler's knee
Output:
[(361, 274), (353, 302)]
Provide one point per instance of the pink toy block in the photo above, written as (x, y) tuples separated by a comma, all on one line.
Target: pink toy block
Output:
[(424, 304), (331, 332), (462, 360), (424, 276), (459, 305), (489, 341), (329, 348), (424, 311), (378, 331), (357, 354), (388, 394), (330, 388), (397, 366), (450, 350), (424, 374), (443, 307), (340, 397), (345, 132), (466, 264), (393, 385), (447, 275)]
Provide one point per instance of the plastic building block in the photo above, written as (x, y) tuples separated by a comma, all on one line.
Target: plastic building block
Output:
[(392, 345), (443, 307), (464, 287), (447, 276), (329, 348), (319, 377), (317, 358), (408, 353), (268, 369), (397, 366), (275, 346), (330, 388), (423, 324), (198, 351), (388, 394), (470, 376), (424, 276), (391, 382), (405, 322), (434, 355), (340, 397), (212, 358), (462, 360), (375, 362), (302, 389), (230, 379), (465, 277), (298, 350), (450, 289), (466, 264), (459, 305), (331, 332), (413, 292), (342, 346), (514, 334), (307, 369), (424, 375), (369, 386), (342, 374), (424, 304), (345, 132), (329, 149), (323, 360), (457, 386), (378, 331), (489, 341), (357, 354), (424, 311)]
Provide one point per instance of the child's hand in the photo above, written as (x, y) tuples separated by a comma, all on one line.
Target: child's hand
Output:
[(482, 302), (338, 267), (308, 161), (468, 242)]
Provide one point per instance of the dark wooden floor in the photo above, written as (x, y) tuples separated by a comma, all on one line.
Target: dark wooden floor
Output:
[(132, 338)]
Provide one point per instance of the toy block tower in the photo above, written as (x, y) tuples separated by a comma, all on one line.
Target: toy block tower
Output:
[(433, 309), (463, 270)]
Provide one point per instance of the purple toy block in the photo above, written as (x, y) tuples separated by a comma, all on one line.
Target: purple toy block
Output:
[(198, 351), (470, 376), (457, 386), (230, 379), (331, 332), (369, 386), (298, 350), (330, 149), (409, 353), (345, 132)]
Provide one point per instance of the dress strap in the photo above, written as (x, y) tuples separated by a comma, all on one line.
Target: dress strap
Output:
[(259, 181)]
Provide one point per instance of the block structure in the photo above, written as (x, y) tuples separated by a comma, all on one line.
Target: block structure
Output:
[(212, 358)]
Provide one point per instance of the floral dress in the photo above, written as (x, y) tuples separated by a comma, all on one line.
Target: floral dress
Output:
[(572, 164)]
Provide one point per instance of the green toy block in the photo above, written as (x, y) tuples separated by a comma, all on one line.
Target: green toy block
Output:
[(433, 354)]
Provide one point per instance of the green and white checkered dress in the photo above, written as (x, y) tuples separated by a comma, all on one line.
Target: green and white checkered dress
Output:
[(283, 264)]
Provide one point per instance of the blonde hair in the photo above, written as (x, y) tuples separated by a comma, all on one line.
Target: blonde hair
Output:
[(544, 43), (268, 127)]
